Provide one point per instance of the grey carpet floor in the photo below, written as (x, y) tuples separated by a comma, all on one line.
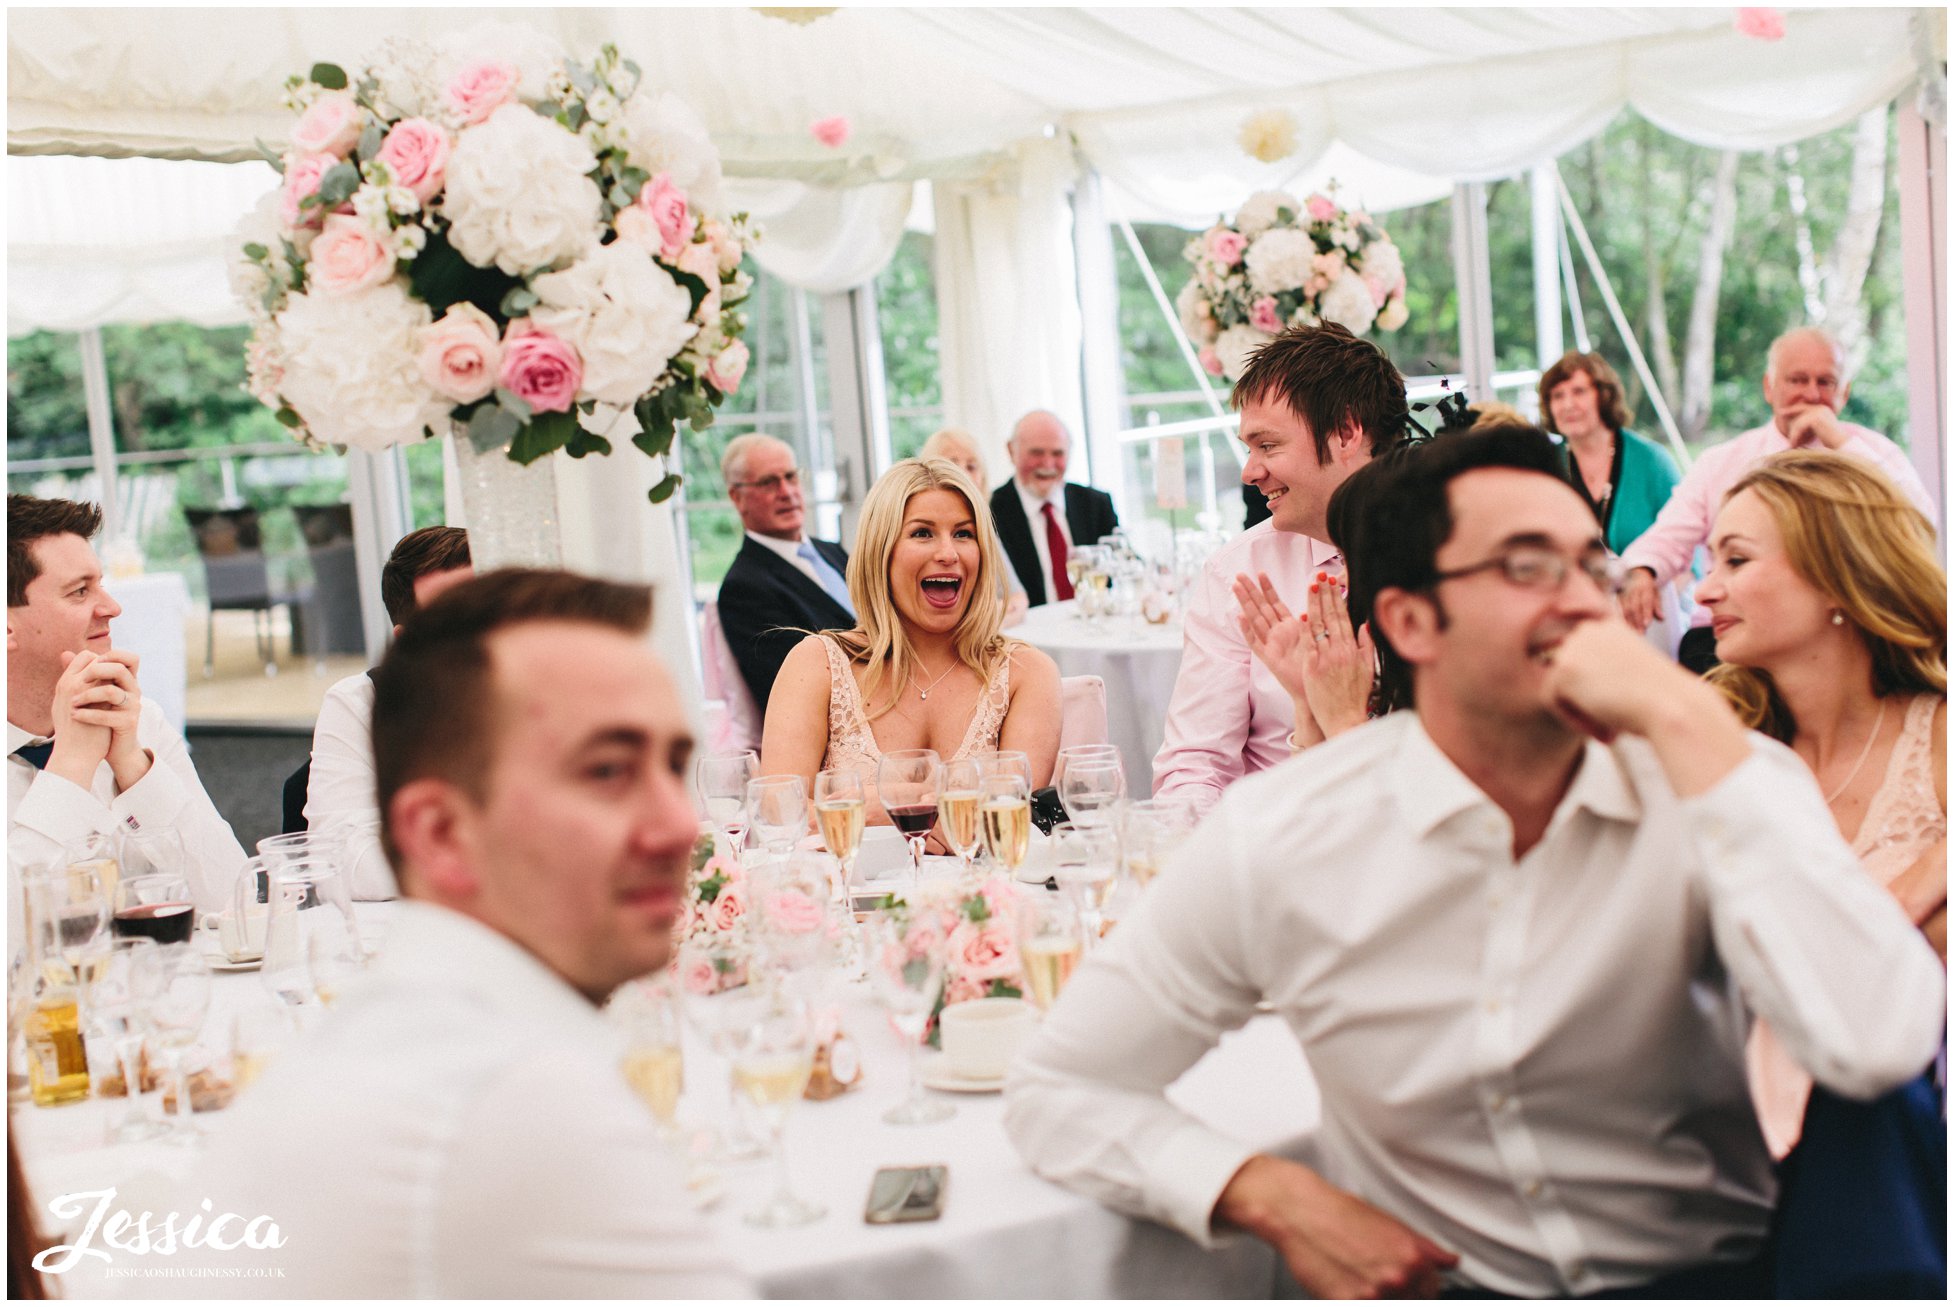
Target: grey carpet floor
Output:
[(244, 771)]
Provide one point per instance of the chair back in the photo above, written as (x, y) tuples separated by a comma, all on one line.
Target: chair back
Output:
[(738, 725), (231, 543), (1082, 711)]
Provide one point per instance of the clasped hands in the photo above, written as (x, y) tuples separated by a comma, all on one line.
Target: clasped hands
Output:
[(1325, 665), (97, 706)]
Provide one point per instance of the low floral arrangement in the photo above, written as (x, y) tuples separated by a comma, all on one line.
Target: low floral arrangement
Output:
[(716, 903), (487, 234), (976, 933), (1284, 262)]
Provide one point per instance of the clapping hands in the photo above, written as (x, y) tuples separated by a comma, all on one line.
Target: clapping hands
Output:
[(1325, 665)]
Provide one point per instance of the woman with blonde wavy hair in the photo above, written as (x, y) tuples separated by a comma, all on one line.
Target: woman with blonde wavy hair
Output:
[(928, 666), (1830, 615), (960, 447)]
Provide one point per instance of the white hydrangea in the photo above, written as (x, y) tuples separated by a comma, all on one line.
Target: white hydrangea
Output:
[(662, 134), (1234, 346), (351, 367), (1280, 260), (1258, 212), (248, 277), (1348, 301), (517, 195), (1196, 313), (625, 314), (536, 55), (1383, 263), (404, 68)]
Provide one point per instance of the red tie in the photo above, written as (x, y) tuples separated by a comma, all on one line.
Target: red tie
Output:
[(1055, 545)]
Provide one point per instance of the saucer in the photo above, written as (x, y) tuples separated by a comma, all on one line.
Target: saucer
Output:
[(943, 1078), (216, 960)]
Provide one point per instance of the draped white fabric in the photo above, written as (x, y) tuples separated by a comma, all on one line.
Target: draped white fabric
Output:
[(823, 238)]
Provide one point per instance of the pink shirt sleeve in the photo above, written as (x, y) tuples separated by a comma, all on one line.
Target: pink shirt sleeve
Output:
[(1684, 522), (1208, 718)]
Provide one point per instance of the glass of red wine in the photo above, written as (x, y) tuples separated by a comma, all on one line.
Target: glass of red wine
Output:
[(154, 907), (906, 780)]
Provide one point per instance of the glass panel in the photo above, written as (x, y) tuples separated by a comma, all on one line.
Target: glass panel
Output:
[(905, 301)]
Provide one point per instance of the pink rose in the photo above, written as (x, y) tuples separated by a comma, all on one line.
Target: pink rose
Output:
[(1328, 265), (1210, 361), (963, 989), (1225, 247), (667, 206), (999, 894), (544, 373), (1316, 285), (331, 125), (1262, 315), (460, 354), (348, 257), (1761, 24), (416, 153), (481, 88), (302, 176), (699, 260), (1321, 207), (724, 244), (792, 912), (720, 865), (986, 953), (831, 132), (730, 906), (1379, 291), (728, 367), (698, 976)]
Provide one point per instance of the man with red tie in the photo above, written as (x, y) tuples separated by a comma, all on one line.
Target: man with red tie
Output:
[(1037, 525)]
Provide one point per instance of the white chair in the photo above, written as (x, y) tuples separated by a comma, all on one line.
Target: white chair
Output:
[(1082, 711), (737, 724)]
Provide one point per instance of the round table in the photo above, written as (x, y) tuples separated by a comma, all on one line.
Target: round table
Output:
[(1138, 661)]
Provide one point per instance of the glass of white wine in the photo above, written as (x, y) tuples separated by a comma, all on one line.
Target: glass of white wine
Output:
[(1004, 810), (959, 792), (718, 1000), (1087, 868), (840, 809), (908, 947), (721, 780), (654, 1052), (772, 1060), (1150, 831), (1050, 944), (1092, 788)]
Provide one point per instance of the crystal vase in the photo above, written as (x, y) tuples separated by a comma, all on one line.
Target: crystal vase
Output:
[(511, 509)]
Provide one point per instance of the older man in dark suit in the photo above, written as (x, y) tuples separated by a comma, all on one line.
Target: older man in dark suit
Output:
[(1037, 525), (782, 582)]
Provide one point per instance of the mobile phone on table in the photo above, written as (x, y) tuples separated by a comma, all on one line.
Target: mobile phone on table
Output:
[(906, 1193)]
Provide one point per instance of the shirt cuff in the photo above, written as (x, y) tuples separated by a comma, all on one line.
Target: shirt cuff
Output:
[(155, 800), (61, 810), (1185, 1177)]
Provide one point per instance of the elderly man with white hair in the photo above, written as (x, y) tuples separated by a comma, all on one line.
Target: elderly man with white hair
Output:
[(1806, 384), (1041, 517)]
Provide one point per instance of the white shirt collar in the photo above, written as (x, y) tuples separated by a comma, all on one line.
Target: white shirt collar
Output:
[(1431, 789), (1034, 503), (787, 549), (17, 737), (430, 948)]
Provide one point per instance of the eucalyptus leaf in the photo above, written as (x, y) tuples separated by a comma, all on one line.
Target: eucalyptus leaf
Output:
[(518, 301), (544, 433), (513, 402), (330, 76), (370, 139), (271, 156), (665, 489), (289, 418), (656, 438), (491, 429), (255, 252), (584, 442), (338, 185), (693, 284)]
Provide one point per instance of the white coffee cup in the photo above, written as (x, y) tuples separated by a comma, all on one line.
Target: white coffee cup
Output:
[(981, 1036), (243, 937)]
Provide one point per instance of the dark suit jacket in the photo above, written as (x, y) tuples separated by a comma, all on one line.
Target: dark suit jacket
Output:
[(763, 598), (1088, 515)]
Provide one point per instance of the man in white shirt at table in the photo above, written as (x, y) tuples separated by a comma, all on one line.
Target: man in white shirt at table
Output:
[(86, 752), (458, 1125), (1317, 403), (339, 790), (1520, 961)]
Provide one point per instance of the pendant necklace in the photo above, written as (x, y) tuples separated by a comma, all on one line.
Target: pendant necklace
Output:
[(924, 690), (1864, 753)]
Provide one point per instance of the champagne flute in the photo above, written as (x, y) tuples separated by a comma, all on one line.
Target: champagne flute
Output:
[(1005, 812), (906, 779), (176, 1015), (772, 1061), (776, 811), (721, 780), (908, 947), (1050, 944), (654, 1052), (1087, 868), (718, 1001), (841, 808), (1092, 788), (1011, 762), (123, 978), (959, 793)]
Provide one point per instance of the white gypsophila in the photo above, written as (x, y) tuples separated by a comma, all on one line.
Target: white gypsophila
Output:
[(601, 105), (1279, 260), (351, 368), (1197, 316), (1258, 212), (248, 278), (1304, 316), (517, 196), (407, 242), (404, 71), (371, 207), (537, 56), (1234, 346), (626, 316), (662, 134), (1348, 301), (1383, 263)]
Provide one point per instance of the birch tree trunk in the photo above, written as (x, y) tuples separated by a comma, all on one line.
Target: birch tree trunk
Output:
[(1851, 256), (1699, 345), (1662, 346)]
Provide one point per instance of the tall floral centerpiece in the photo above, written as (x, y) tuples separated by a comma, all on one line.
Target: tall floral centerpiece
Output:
[(1283, 262), (485, 237)]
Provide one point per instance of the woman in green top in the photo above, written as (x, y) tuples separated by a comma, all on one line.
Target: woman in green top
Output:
[(1625, 478)]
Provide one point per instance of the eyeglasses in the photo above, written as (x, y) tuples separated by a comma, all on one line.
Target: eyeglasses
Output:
[(770, 485), (1536, 567)]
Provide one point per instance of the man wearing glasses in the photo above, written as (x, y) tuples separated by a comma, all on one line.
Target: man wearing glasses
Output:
[(1519, 930), (783, 582)]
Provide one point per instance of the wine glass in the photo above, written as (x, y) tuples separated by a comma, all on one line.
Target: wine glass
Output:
[(718, 1001), (311, 935), (908, 947), (154, 907), (959, 786), (157, 851), (1079, 753), (1150, 831), (721, 780), (906, 779), (1091, 788), (1050, 943), (654, 1052), (176, 1015), (841, 808), (772, 1060), (1087, 868), (95, 853), (123, 977), (67, 910), (1004, 810), (776, 811), (1010, 762)]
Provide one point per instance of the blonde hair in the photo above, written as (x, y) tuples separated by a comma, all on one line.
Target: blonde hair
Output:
[(880, 640), (933, 448), (1851, 533)]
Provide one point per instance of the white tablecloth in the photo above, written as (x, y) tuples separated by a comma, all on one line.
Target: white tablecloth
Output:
[(1137, 660), (1004, 1232), (154, 609)]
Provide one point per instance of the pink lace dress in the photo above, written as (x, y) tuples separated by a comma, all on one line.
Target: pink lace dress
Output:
[(1903, 821), (851, 743)]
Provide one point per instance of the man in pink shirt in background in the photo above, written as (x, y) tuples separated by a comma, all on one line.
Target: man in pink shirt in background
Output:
[(1806, 386), (1317, 403)]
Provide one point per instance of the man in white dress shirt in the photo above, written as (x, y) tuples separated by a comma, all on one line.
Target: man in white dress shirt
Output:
[(339, 792), (1518, 930), (458, 1125), (1317, 404), (86, 753)]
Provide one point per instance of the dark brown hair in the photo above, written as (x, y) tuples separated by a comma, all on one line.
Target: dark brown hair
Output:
[(1330, 379), (430, 549), (30, 519), (433, 702), (24, 1242), (1607, 388)]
